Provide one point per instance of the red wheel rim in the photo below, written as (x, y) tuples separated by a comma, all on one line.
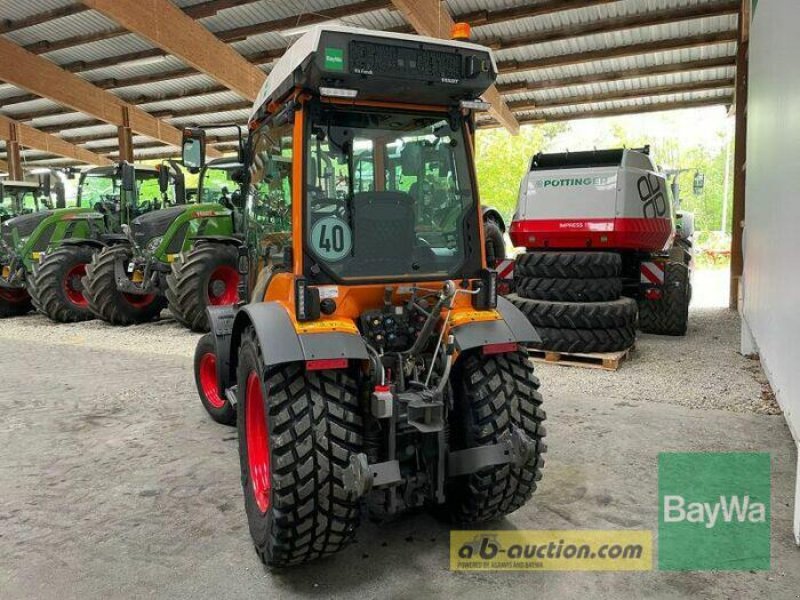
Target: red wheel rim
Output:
[(208, 380), (258, 458), (138, 300), (223, 286), (13, 296), (73, 287)]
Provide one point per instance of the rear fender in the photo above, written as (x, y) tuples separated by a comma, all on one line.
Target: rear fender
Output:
[(513, 327), (280, 343), (92, 243), (217, 239)]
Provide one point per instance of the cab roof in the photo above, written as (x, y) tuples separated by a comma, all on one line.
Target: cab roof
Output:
[(300, 58)]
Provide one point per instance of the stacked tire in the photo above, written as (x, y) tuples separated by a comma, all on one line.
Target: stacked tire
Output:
[(574, 300)]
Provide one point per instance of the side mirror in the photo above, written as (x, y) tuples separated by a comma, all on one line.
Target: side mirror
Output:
[(699, 183), (163, 178), (193, 149), (128, 177)]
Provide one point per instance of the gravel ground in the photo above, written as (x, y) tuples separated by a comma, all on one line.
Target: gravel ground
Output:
[(115, 484)]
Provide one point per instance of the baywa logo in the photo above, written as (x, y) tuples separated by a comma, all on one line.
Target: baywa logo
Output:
[(714, 511), (575, 181)]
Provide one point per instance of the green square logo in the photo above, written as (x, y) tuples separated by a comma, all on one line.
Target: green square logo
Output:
[(714, 511), (334, 59)]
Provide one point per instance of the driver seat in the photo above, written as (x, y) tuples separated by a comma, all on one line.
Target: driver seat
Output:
[(384, 234)]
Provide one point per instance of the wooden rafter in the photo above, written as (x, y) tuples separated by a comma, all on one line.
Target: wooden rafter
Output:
[(40, 76), (166, 26), (430, 17), (33, 138)]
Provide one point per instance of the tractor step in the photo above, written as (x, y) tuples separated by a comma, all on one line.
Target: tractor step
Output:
[(608, 361)]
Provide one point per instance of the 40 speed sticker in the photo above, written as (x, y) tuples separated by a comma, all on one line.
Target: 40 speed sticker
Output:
[(571, 550), (331, 238)]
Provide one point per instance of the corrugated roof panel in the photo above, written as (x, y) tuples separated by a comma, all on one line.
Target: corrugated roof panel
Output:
[(13, 10), (116, 46), (198, 102), (104, 129), (260, 12), (25, 107), (234, 116), (163, 88), (638, 83), (136, 69), (83, 23)]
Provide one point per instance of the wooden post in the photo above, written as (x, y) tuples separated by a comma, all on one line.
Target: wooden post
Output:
[(125, 137), (13, 154), (740, 156)]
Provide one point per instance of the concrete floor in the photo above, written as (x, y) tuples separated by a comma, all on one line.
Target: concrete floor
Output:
[(114, 484)]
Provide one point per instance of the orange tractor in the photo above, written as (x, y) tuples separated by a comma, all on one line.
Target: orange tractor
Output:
[(375, 363)]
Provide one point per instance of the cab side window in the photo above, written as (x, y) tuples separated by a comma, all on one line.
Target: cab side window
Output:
[(269, 202)]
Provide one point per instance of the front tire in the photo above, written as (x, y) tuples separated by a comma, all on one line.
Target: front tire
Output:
[(14, 303), (495, 243), (670, 314), (110, 304), (58, 284), (298, 431), (205, 276), (205, 377), (495, 395)]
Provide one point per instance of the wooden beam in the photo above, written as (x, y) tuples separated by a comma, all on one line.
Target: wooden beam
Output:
[(430, 17), (525, 11), (613, 112), (577, 58), (739, 211), (13, 152), (3, 166), (33, 138), (621, 75), (40, 76), (166, 26), (679, 88), (619, 24)]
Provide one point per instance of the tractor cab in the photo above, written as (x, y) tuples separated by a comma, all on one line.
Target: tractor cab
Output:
[(21, 198), (220, 181), (374, 362), (102, 189)]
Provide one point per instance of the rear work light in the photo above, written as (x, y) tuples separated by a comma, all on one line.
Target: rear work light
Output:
[(338, 92), (500, 348), (475, 104), (323, 364)]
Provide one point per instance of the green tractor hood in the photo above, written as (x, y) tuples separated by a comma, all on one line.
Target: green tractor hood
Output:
[(25, 236), (166, 232)]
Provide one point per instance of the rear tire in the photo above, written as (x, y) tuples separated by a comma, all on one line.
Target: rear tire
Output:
[(14, 303), (58, 284), (670, 314), (568, 290), (109, 303), (205, 377), (205, 275), (569, 265), (578, 315), (585, 340), (296, 443), (495, 395), (495, 243)]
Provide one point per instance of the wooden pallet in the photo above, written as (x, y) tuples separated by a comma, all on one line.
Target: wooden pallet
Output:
[(608, 361)]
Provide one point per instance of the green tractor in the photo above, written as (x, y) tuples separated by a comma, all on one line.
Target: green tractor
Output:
[(109, 198), (127, 283), (20, 201), (204, 273)]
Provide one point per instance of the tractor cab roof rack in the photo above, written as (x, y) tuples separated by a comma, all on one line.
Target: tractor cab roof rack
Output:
[(348, 62)]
